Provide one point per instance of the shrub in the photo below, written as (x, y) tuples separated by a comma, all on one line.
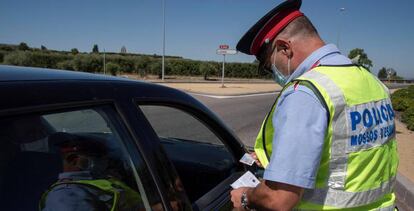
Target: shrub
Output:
[(400, 103), (74, 51), (403, 100), (141, 65), (65, 65), (23, 46), (4, 47), (408, 117), (113, 68), (1, 56), (18, 58), (88, 63), (35, 59), (23, 55), (126, 63)]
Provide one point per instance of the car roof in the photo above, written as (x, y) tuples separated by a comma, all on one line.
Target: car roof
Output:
[(30, 90), (30, 86), (16, 73)]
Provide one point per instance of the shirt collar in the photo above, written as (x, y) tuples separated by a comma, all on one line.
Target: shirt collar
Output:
[(312, 59)]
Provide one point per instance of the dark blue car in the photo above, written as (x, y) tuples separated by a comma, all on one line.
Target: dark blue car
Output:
[(162, 143)]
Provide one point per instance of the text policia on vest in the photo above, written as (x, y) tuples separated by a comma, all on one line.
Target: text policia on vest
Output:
[(371, 123)]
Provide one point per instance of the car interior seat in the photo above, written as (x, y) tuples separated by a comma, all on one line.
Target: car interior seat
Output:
[(28, 176), (25, 174)]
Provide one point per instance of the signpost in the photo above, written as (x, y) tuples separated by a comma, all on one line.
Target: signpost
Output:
[(224, 50)]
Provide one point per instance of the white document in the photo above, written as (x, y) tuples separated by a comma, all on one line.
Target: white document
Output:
[(246, 180), (247, 159)]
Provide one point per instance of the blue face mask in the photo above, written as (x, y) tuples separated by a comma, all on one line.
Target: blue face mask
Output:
[(278, 76)]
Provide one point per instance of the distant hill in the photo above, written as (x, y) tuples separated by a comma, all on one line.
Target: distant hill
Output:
[(118, 63)]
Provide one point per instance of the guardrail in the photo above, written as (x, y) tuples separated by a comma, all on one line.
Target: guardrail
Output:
[(398, 81), (404, 190)]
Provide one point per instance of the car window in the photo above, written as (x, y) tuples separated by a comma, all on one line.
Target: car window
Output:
[(67, 160), (173, 123), (198, 154), (85, 120)]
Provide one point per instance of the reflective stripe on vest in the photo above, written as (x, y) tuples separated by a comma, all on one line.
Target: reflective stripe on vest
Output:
[(110, 186), (355, 128), (359, 160)]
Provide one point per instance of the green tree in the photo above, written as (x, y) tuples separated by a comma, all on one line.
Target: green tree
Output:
[(123, 50), (4, 47), (88, 63), (74, 51), (95, 49), (155, 67), (363, 58), (389, 73), (382, 73), (393, 74), (206, 69), (43, 48), (65, 65), (23, 46), (141, 65), (18, 58), (113, 68)]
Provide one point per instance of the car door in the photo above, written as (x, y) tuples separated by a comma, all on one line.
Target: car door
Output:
[(204, 153), (31, 159)]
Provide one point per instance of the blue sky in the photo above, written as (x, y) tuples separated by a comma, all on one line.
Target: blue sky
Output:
[(195, 28)]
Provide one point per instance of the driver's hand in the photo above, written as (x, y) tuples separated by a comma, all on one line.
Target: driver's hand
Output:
[(256, 160)]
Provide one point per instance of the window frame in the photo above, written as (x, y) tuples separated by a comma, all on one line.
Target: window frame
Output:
[(127, 139), (220, 130)]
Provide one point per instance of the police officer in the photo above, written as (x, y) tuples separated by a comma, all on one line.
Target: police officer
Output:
[(328, 142), (85, 183)]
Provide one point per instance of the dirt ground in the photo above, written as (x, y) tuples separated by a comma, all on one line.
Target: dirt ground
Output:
[(405, 141), (228, 89), (405, 137)]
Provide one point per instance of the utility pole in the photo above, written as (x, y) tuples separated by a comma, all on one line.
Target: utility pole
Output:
[(341, 10), (104, 63), (163, 41), (222, 71)]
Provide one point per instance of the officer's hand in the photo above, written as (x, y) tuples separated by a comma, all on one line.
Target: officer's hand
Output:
[(256, 160), (236, 197)]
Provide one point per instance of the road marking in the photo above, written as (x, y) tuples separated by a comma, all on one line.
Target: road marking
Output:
[(233, 96)]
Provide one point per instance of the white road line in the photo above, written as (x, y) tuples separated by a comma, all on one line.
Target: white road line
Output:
[(233, 96)]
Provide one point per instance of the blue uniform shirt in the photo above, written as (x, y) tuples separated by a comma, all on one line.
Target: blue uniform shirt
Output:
[(71, 197), (300, 123)]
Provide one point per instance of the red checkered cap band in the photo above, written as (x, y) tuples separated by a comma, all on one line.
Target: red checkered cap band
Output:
[(273, 27)]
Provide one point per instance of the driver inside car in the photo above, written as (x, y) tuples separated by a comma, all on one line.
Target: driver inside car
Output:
[(85, 183)]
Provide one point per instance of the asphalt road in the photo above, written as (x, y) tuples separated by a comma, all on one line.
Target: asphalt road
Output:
[(243, 114)]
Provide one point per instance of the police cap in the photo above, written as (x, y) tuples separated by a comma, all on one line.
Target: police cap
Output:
[(73, 143), (269, 26)]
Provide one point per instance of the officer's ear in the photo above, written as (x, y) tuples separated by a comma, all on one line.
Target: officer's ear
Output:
[(284, 46)]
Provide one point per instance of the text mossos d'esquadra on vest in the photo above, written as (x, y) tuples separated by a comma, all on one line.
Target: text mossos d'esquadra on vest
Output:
[(370, 122)]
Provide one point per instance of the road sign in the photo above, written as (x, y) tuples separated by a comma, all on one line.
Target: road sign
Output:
[(224, 46), (226, 51)]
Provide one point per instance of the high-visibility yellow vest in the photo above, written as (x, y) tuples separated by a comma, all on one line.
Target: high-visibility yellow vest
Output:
[(123, 197), (359, 158)]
